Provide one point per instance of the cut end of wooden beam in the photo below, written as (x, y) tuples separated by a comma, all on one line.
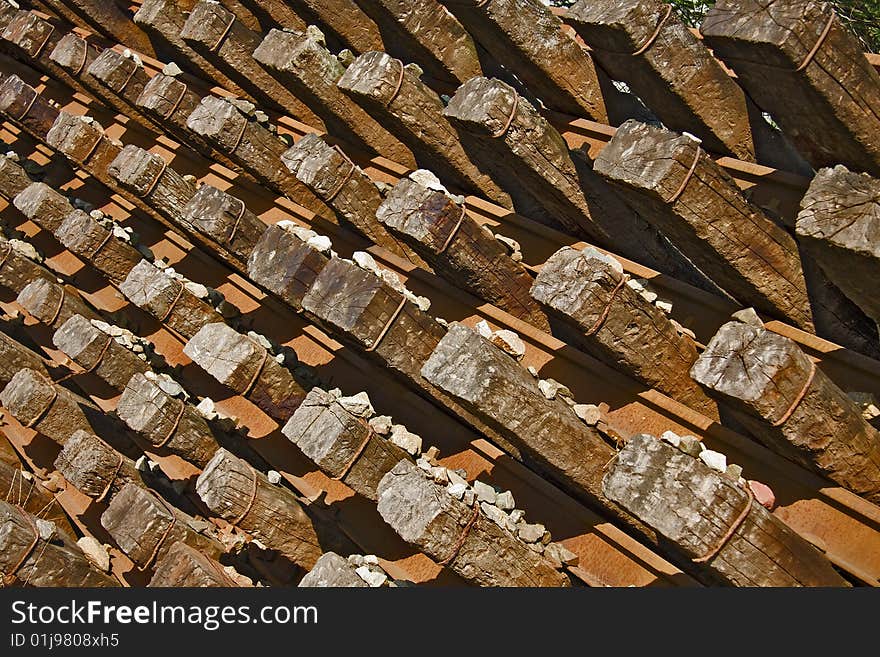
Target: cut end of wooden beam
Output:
[(217, 118), (373, 76), (482, 105), (224, 353)]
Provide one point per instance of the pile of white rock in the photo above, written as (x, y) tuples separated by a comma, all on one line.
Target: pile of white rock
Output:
[(366, 262), (207, 294), (693, 446), (140, 347)]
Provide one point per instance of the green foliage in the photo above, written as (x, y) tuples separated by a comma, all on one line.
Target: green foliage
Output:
[(861, 16)]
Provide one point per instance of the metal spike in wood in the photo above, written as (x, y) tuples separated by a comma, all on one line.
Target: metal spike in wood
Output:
[(226, 221), (236, 492), (18, 271), (447, 529), (668, 179), (550, 437), (20, 102), (303, 64), (791, 406), (393, 94), (283, 264), (596, 310), (510, 134), (166, 421), (13, 178), (110, 19), (702, 512), (94, 468), (531, 43), (43, 406), (250, 144), (124, 78), (164, 20), (95, 244), (343, 185), (83, 141), (424, 31), (150, 179), (97, 352), (332, 571), (646, 45), (167, 299), (183, 566), (223, 39), (38, 553), (14, 356), (53, 303), (145, 528), (792, 55), (838, 225), (24, 491), (246, 367), (343, 445), (43, 205), (459, 249)]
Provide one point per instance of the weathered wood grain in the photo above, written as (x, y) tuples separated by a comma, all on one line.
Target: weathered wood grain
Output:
[(791, 406), (37, 403)]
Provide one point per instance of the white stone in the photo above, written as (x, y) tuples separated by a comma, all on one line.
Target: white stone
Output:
[(504, 501), (141, 464), (371, 559), (381, 424), (635, 284), (483, 329), (197, 289), (561, 554), (206, 407), (517, 515), (512, 245), (648, 296), (456, 490), (665, 306), (440, 474), (427, 179), (550, 388), (690, 445), (409, 442), (589, 413), (531, 370), (393, 280), (509, 342), (455, 478), (171, 69), (531, 533), (358, 404), (484, 492), (468, 497), (365, 261), (320, 243), (95, 552), (169, 386), (748, 316), (590, 252), (494, 514), (356, 560), (274, 477), (715, 460), (315, 33), (671, 437), (371, 577)]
